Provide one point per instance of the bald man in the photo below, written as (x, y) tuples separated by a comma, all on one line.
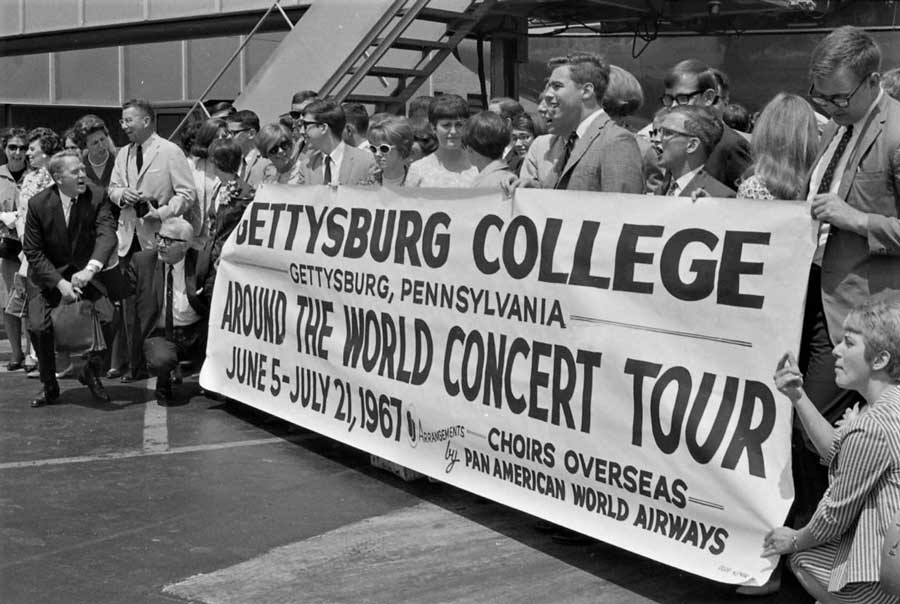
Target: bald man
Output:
[(172, 288)]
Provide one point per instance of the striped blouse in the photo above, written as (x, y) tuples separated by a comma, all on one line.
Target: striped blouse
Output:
[(863, 491)]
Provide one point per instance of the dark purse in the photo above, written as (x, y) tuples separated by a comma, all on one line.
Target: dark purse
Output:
[(77, 328)]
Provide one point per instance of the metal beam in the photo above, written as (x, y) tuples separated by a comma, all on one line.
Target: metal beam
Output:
[(211, 26)]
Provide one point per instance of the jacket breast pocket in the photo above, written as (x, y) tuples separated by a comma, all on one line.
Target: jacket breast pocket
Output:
[(871, 193)]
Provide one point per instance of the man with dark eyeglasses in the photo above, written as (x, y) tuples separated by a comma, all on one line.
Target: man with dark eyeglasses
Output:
[(331, 161), (691, 82), (243, 126), (854, 193), (173, 287)]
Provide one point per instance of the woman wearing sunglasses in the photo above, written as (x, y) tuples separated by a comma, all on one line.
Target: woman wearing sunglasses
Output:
[(11, 174), (390, 141), (276, 144)]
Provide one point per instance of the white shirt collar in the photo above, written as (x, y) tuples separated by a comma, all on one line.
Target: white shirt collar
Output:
[(682, 181), (586, 122), (66, 199)]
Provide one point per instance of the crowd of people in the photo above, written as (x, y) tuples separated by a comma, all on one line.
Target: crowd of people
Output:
[(138, 231)]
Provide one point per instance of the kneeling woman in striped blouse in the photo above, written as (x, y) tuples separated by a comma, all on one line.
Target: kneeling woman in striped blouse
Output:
[(836, 556)]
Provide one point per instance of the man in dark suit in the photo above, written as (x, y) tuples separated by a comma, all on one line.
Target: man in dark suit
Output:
[(70, 235), (586, 150), (691, 82), (684, 138), (331, 161), (172, 288)]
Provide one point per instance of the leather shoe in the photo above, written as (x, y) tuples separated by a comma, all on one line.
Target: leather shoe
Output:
[(115, 373), (135, 377), (89, 379), (164, 396), (47, 396)]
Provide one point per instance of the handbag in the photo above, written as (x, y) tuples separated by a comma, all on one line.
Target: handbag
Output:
[(77, 328), (10, 247)]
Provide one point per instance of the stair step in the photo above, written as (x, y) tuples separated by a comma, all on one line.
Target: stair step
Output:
[(373, 99), (393, 72), (414, 44), (440, 15)]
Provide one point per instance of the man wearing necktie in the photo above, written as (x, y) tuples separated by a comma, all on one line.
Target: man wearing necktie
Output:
[(331, 161), (172, 287), (70, 235), (854, 193), (684, 139), (585, 150), (151, 181)]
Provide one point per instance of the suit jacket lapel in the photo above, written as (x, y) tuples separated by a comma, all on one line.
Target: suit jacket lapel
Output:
[(344, 175), (315, 163), (871, 129), (58, 217), (584, 142), (190, 280), (149, 154)]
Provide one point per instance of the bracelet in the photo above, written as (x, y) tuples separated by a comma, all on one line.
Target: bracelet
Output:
[(794, 543)]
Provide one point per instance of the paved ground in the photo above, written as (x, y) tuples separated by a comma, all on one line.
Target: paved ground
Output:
[(213, 503)]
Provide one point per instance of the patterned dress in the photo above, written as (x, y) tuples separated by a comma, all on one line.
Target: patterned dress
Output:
[(429, 172), (862, 498), (752, 187)]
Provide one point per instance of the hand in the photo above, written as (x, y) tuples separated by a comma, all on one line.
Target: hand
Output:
[(130, 197), (68, 291), (788, 378), (828, 207), (82, 278), (509, 185), (779, 541), (698, 193)]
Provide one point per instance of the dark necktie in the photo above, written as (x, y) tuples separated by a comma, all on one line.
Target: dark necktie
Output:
[(170, 318), (673, 186), (327, 170), (139, 157), (567, 153), (828, 176)]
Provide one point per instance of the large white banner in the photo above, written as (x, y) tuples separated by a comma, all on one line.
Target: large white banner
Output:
[(602, 361)]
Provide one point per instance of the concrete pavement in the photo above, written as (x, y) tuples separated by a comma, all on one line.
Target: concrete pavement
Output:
[(213, 502)]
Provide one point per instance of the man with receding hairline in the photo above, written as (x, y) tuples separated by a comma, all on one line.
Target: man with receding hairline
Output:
[(70, 235), (173, 288)]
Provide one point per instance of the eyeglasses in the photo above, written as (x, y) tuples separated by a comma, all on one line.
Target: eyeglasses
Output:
[(282, 148), (383, 148), (236, 132), (167, 241), (295, 115), (664, 133), (16, 147), (841, 101), (667, 100), (304, 124), (129, 121)]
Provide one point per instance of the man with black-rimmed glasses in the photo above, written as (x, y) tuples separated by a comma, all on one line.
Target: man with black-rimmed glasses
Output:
[(691, 82)]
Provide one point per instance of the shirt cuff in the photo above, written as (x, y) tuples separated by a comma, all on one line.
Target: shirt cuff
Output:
[(95, 264)]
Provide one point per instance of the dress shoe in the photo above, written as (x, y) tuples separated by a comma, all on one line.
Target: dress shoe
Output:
[(68, 372), (164, 396), (47, 396), (135, 377), (114, 373), (15, 365), (89, 379)]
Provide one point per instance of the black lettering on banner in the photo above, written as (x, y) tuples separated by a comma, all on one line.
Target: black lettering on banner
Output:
[(313, 326), (746, 437), (705, 270), (380, 343), (733, 267), (627, 256), (483, 357), (584, 250), (255, 311)]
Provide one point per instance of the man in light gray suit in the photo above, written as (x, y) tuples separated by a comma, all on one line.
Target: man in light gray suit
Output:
[(585, 150), (331, 161), (151, 181)]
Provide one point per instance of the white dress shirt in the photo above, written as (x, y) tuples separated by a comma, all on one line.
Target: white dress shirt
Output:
[(183, 313), (337, 157)]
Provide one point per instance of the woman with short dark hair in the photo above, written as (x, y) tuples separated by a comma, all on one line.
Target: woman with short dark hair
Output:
[(449, 166)]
